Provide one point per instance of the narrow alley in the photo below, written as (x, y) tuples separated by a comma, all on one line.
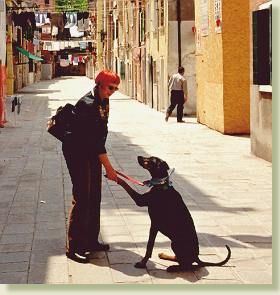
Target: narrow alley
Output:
[(227, 190)]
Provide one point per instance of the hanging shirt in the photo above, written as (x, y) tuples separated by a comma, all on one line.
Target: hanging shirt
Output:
[(64, 63)]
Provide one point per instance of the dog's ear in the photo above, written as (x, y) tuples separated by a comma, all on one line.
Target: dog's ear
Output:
[(165, 166)]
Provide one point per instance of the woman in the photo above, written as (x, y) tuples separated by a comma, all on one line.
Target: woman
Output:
[(84, 151)]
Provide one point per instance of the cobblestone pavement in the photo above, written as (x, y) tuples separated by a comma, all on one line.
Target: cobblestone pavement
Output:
[(227, 189)]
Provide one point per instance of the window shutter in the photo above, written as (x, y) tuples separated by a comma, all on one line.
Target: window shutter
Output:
[(261, 48), (122, 70)]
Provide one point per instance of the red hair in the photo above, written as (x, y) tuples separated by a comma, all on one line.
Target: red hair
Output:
[(106, 77)]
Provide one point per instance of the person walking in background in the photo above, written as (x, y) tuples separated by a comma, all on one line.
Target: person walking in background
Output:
[(85, 153), (178, 86)]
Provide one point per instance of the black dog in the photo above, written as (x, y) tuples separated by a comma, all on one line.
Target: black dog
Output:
[(170, 216)]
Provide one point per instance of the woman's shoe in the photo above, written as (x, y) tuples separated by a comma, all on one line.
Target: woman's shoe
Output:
[(77, 256), (99, 247)]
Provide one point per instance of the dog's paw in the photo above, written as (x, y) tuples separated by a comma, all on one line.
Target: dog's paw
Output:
[(174, 268), (140, 264)]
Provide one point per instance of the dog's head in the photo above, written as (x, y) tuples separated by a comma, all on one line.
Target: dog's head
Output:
[(157, 167)]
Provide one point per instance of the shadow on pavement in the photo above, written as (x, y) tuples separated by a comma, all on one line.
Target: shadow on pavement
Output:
[(35, 163)]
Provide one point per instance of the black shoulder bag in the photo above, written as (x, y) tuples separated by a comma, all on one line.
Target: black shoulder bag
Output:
[(60, 124)]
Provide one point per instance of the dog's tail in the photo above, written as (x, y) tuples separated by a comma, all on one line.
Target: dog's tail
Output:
[(204, 263)]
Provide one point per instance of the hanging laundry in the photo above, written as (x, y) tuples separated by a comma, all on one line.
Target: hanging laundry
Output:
[(61, 45), (75, 33), (37, 17), (46, 29), (57, 20), (76, 61), (71, 19), (86, 24), (54, 30), (47, 46), (80, 25), (55, 45), (36, 41), (83, 45), (64, 63), (80, 22), (71, 44), (41, 18)]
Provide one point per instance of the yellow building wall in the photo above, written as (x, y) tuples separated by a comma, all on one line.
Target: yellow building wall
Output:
[(222, 69), (236, 56), (209, 73)]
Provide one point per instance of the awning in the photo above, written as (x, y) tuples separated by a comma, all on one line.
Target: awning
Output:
[(28, 54)]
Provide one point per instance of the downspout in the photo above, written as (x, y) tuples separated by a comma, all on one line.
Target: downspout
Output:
[(178, 6)]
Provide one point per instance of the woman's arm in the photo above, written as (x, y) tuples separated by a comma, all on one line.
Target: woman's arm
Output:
[(110, 171)]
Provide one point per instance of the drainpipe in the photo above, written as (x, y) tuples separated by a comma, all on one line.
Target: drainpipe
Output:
[(178, 8)]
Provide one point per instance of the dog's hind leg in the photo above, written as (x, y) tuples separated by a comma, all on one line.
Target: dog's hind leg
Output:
[(167, 257), (149, 249)]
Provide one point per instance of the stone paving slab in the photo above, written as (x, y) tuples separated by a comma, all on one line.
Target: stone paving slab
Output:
[(228, 191)]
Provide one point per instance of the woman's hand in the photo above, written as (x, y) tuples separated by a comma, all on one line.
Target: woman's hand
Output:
[(110, 171), (50, 123)]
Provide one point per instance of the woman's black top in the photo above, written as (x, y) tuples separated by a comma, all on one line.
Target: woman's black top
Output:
[(89, 127)]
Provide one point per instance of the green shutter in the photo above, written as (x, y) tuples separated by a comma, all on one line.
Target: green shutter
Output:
[(122, 70)]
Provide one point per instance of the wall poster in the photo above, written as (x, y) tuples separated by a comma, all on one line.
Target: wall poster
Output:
[(218, 15), (204, 18)]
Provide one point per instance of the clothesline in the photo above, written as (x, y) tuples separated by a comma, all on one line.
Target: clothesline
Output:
[(61, 45)]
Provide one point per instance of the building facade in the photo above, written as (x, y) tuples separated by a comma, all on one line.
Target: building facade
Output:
[(222, 65), (261, 78), (144, 38), (2, 63)]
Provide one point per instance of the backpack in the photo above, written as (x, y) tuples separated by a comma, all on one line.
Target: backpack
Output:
[(60, 124)]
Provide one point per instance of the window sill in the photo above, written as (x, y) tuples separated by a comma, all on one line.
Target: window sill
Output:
[(265, 88)]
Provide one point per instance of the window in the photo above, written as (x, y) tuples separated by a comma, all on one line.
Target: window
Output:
[(30, 65), (142, 27), (262, 46), (161, 13), (155, 72), (116, 30), (122, 70)]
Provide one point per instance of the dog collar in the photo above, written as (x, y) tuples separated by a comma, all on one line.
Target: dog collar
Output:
[(160, 181)]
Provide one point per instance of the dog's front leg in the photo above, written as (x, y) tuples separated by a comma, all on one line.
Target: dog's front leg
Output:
[(149, 249), (137, 198)]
